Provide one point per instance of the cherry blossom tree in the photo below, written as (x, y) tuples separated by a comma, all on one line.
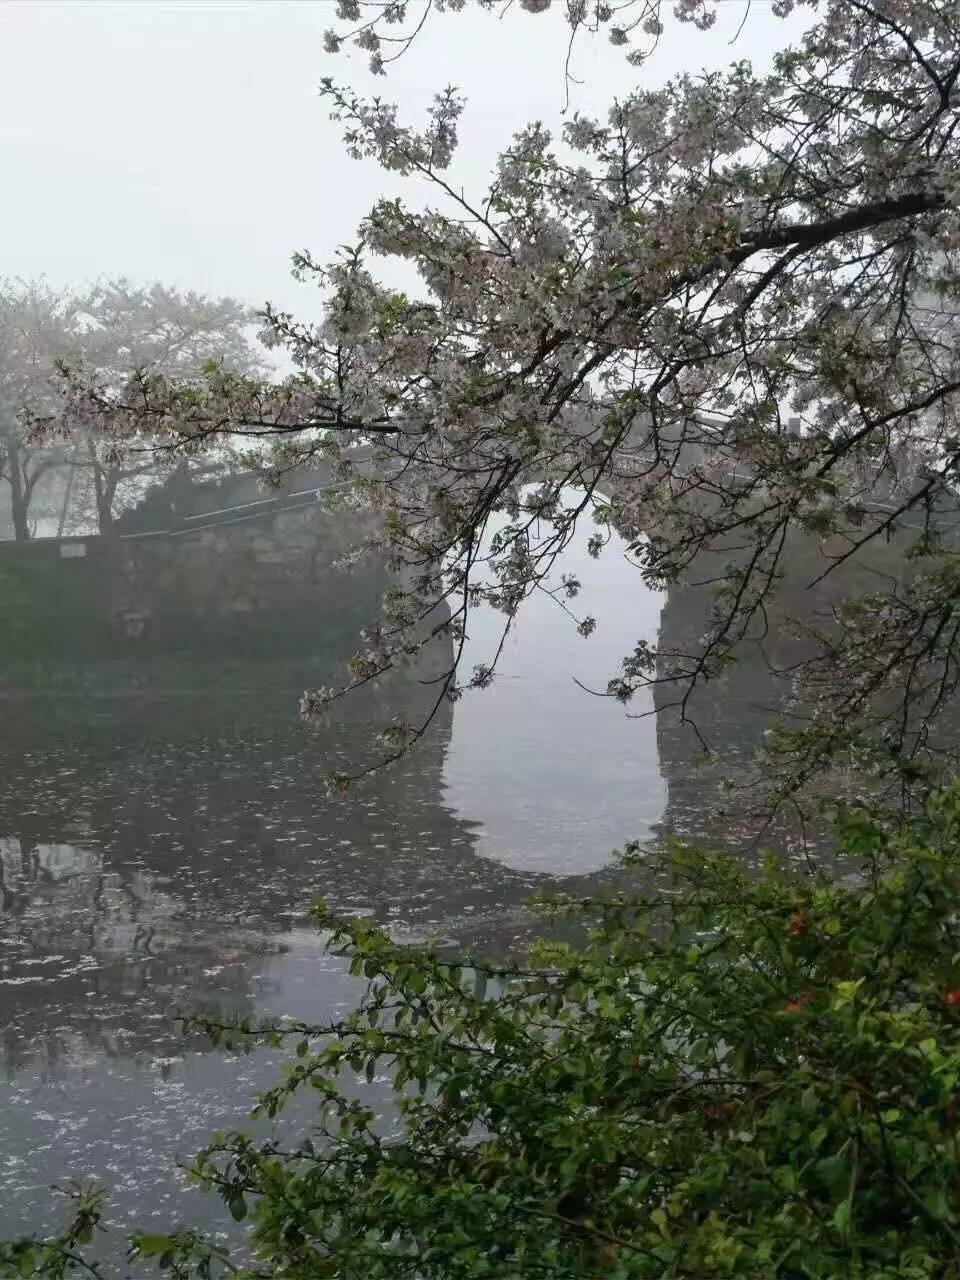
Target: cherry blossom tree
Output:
[(718, 321), (116, 327), (151, 328), (36, 327)]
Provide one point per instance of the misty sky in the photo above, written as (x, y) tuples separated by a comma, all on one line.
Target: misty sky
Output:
[(185, 141)]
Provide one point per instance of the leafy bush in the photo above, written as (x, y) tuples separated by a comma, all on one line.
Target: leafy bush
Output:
[(741, 1075)]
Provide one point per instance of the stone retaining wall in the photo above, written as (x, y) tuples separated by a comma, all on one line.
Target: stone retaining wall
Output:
[(268, 588)]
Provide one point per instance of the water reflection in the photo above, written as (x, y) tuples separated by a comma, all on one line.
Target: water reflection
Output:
[(160, 864), (164, 825), (557, 777), (162, 835), (161, 857)]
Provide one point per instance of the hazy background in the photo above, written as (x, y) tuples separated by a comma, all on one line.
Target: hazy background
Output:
[(185, 141)]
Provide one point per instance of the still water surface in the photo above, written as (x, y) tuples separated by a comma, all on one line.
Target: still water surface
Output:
[(159, 853)]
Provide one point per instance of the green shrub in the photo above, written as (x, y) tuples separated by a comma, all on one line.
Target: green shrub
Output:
[(751, 1076)]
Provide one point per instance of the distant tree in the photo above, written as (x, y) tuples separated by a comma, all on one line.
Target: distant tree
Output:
[(115, 328), (153, 329), (37, 327)]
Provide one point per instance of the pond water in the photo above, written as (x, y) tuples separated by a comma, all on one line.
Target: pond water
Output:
[(159, 852)]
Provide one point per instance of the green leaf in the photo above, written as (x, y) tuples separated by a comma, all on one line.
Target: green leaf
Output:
[(816, 1138), (835, 1171), (150, 1246), (841, 1217)]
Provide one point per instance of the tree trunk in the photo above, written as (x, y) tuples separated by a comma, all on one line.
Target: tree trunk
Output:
[(19, 492), (105, 488), (68, 494), (21, 526), (105, 497)]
